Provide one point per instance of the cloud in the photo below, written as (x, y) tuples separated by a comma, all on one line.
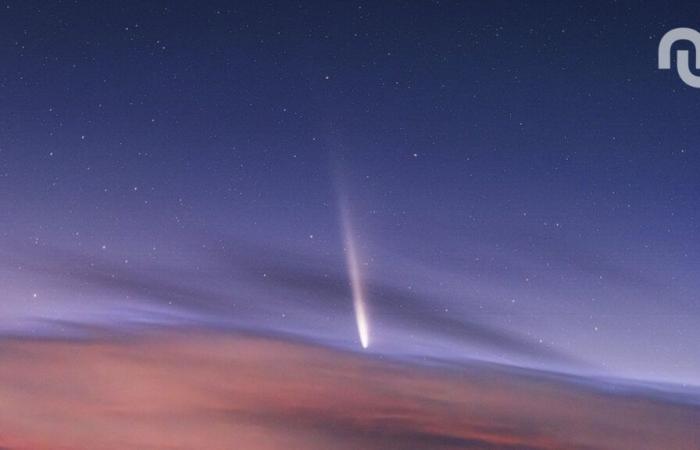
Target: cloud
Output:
[(212, 390), (262, 278), (322, 284)]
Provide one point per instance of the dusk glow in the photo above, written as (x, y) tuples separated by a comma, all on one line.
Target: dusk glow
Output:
[(349, 225)]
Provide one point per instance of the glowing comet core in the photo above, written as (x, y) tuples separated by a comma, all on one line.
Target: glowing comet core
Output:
[(358, 293)]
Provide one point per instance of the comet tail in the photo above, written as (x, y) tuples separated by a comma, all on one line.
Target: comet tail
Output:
[(358, 293)]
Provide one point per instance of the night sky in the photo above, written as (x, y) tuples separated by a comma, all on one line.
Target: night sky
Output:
[(517, 181)]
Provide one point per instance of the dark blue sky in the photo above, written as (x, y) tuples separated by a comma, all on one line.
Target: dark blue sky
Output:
[(522, 179)]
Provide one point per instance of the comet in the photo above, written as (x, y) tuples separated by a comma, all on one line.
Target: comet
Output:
[(355, 274)]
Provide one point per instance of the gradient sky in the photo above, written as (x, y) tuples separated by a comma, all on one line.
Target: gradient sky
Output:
[(522, 180)]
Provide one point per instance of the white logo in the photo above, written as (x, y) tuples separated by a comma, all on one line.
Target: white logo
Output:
[(682, 65)]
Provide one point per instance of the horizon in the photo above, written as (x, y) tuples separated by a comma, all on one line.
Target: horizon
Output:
[(502, 183)]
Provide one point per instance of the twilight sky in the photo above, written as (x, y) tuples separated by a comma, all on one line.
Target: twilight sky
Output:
[(521, 179)]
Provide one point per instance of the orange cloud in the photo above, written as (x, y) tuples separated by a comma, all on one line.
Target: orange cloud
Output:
[(192, 390)]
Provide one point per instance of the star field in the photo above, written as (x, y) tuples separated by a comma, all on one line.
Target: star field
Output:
[(522, 180)]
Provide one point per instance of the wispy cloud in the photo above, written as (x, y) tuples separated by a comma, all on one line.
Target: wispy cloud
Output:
[(243, 282)]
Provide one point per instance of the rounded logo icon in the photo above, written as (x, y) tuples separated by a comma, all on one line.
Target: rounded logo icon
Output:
[(682, 59)]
